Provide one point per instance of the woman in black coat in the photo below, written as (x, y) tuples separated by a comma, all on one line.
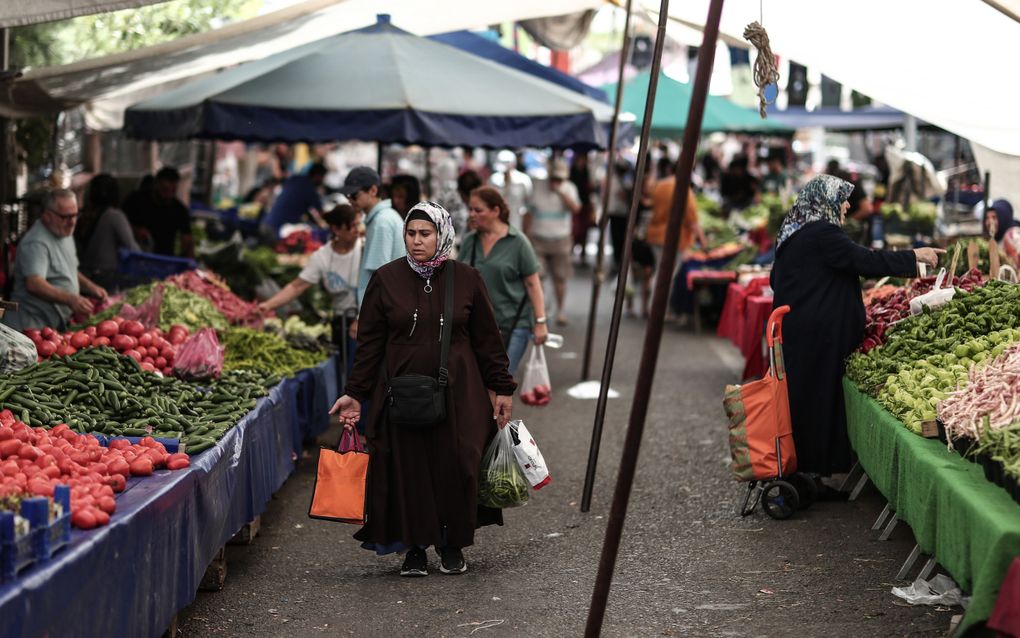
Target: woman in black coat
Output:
[(817, 273)]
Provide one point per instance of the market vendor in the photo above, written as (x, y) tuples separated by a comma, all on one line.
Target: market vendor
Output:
[(336, 266), (159, 218), (299, 196), (47, 284), (817, 273)]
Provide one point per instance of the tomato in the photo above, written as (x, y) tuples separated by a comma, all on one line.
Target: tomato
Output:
[(142, 466), (147, 365), (107, 329), (161, 343), (6, 434), (168, 353), (120, 467), (66, 350), (81, 339), (83, 518), (132, 328), (48, 333), (168, 371), (9, 447), (134, 355), (117, 482), (99, 342), (46, 349), (119, 444), (122, 343), (102, 518), (152, 351), (145, 340)]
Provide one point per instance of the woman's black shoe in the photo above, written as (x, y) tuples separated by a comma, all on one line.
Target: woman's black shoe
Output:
[(451, 561), (416, 563)]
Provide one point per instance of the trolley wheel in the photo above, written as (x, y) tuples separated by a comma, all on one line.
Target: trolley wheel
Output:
[(779, 499), (807, 489)]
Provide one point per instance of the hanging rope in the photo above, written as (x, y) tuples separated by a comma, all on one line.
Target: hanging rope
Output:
[(765, 71)]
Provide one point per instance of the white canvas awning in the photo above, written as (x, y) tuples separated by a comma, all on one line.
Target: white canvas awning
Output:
[(106, 86), (950, 64), (18, 13)]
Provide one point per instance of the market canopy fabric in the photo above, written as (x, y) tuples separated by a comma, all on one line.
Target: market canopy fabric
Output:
[(486, 48), (106, 86), (375, 84), (672, 100), (18, 13), (952, 65), (871, 118)]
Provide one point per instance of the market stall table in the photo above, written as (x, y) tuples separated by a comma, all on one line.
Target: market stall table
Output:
[(699, 279), (743, 323), (131, 577), (971, 526)]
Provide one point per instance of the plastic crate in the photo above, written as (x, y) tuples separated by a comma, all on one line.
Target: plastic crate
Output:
[(149, 266), (47, 536), (15, 553)]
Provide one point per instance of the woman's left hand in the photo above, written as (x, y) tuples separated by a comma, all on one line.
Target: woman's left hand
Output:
[(541, 333), (502, 407)]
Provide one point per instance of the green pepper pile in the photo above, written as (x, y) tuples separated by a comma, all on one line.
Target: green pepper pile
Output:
[(265, 352), (97, 390)]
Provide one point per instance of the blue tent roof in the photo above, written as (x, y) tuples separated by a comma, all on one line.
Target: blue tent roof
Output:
[(375, 84), (869, 118), (486, 48)]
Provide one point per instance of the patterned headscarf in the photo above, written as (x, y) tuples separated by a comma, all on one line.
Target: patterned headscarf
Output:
[(821, 198), (445, 236)]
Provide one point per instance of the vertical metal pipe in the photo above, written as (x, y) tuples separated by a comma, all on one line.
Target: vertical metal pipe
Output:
[(621, 282), (653, 334), (7, 168), (600, 256), (428, 173)]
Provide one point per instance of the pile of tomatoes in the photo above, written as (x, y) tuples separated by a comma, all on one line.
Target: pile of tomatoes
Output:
[(152, 348)]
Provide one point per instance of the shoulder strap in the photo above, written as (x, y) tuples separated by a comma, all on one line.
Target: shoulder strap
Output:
[(444, 356), (474, 250)]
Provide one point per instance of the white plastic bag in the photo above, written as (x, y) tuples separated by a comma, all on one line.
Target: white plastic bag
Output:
[(529, 457), (940, 590), (535, 387), (17, 351), (937, 297), (502, 484)]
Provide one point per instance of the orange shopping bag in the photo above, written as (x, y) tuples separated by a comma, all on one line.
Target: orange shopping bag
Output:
[(339, 490)]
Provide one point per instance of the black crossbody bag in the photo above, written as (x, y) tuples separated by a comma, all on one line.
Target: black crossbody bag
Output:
[(520, 307), (418, 401)]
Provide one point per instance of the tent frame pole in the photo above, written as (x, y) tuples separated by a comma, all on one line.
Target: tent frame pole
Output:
[(379, 158), (653, 334), (600, 256)]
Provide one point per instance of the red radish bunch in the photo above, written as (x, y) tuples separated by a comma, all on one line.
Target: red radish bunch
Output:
[(155, 350), (33, 461), (237, 311), (538, 396)]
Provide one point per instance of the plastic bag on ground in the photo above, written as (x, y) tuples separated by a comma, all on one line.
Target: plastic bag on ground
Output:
[(940, 590), (200, 357), (535, 387), (502, 484), (529, 457), (17, 351)]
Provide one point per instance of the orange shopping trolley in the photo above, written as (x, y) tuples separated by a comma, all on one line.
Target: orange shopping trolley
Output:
[(761, 436)]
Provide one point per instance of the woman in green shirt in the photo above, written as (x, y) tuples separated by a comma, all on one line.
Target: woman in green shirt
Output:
[(509, 267)]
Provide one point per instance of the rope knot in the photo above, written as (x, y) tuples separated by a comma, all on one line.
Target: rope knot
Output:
[(765, 71)]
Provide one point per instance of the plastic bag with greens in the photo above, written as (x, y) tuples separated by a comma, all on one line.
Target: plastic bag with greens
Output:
[(502, 484)]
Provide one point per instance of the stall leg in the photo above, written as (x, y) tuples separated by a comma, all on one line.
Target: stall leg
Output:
[(887, 532), (171, 631), (880, 521), (216, 573), (928, 568), (859, 487), (909, 563), (851, 476), (247, 533)]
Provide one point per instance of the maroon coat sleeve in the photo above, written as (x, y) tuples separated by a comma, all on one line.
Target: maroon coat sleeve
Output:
[(371, 352), (487, 342)]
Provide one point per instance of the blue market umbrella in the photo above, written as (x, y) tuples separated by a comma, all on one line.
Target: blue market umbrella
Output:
[(378, 84)]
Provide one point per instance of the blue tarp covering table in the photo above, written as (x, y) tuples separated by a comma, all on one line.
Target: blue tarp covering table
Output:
[(131, 577)]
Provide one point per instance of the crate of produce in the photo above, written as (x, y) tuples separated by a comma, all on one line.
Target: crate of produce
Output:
[(17, 550), (51, 522), (139, 266)]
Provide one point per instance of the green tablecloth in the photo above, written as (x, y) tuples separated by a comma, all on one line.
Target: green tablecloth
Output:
[(971, 526)]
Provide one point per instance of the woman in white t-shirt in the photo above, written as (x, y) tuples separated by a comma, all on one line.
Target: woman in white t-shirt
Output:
[(335, 266)]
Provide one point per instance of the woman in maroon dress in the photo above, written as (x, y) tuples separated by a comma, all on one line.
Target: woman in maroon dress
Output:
[(423, 484)]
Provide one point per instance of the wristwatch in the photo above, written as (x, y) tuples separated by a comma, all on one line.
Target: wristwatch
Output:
[(539, 319)]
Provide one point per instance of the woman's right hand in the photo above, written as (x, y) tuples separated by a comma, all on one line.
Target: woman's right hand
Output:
[(928, 256), (349, 411), (541, 333)]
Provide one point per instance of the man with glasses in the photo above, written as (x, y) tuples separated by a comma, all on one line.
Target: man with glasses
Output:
[(47, 284), (384, 228)]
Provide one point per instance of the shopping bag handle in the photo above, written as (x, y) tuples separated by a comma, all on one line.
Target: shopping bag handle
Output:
[(774, 330), (350, 441)]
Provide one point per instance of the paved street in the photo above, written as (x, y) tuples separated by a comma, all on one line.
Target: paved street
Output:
[(689, 565)]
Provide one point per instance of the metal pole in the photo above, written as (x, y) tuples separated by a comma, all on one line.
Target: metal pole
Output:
[(428, 173), (8, 168), (621, 281), (379, 158), (653, 334), (596, 286)]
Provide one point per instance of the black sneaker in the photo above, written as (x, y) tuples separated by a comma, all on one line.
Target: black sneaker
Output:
[(416, 563), (451, 561)]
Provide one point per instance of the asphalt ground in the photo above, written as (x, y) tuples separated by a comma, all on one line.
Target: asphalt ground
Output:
[(688, 564)]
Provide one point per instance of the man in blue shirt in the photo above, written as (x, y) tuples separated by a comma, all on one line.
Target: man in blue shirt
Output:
[(384, 228), (298, 197)]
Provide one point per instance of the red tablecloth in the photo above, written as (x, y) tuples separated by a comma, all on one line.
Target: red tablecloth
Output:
[(1005, 618), (743, 323), (709, 276)]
